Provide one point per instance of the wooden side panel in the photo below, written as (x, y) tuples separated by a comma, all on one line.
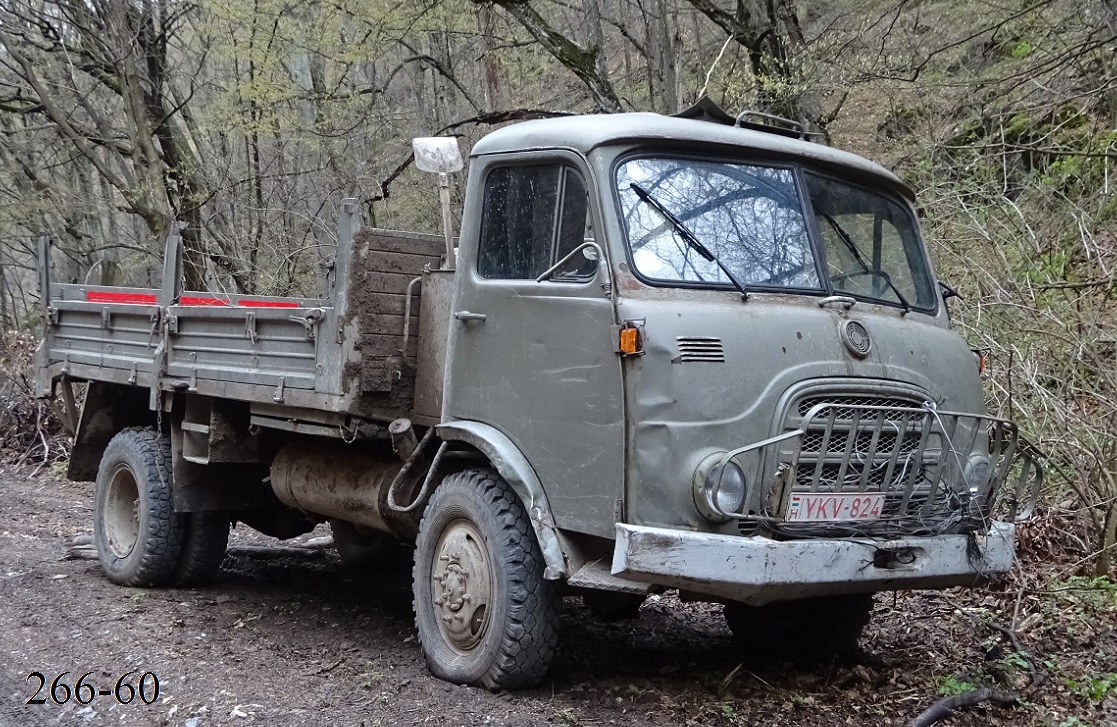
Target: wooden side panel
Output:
[(384, 264)]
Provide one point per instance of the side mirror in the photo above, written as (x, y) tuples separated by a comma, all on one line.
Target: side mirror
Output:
[(589, 250), (441, 155), (948, 292)]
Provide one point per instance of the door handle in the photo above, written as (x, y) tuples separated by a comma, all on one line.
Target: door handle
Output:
[(464, 315)]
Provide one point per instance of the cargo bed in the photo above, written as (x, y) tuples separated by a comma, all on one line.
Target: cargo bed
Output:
[(331, 361)]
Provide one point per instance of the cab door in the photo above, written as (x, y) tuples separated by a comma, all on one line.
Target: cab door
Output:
[(534, 359)]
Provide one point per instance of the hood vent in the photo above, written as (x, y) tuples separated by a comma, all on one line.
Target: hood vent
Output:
[(699, 348)]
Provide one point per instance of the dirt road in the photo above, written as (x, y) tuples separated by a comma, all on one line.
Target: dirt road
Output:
[(304, 641)]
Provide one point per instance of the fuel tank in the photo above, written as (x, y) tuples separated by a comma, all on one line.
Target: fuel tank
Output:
[(335, 481)]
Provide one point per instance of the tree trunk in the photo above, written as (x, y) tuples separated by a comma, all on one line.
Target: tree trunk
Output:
[(661, 58), (587, 63), (769, 32), (490, 63)]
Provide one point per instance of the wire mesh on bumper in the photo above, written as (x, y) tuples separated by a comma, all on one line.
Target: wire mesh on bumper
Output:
[(926, 471)]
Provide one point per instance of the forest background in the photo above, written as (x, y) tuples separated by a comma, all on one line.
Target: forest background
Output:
[(250, 121)]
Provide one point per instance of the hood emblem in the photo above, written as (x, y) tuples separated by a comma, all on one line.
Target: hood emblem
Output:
[(856, 338)]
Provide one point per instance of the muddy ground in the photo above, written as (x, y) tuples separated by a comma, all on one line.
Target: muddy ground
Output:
[(301, 640)]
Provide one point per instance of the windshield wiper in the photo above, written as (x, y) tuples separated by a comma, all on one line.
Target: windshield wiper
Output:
[(900, 296), (688, 237), (848, 241)]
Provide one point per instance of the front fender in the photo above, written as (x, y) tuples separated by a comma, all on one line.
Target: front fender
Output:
[(511, 464)]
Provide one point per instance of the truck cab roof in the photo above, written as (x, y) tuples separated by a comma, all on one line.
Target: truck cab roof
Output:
[(582, 134)]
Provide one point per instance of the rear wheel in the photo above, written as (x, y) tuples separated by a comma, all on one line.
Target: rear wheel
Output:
[(138, 534), (485, 614), (141, 540), (806, 629), (206, 538)]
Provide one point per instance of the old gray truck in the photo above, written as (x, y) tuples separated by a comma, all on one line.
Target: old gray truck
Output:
[(694, 353)]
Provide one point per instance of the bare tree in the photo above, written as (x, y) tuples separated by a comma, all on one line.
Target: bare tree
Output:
[(770, 33), (98, 72), (587, 61)]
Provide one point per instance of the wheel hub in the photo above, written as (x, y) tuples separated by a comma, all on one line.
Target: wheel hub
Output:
[(122, 517), (461, 585)]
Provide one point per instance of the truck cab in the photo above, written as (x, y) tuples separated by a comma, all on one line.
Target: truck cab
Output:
[(725, 356)]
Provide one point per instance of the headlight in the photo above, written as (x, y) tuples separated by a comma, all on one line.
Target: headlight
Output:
[(719, 494)]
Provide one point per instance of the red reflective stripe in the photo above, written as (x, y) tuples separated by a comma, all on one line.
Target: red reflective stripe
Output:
[(267, 304), (104, 296), (191, 300)]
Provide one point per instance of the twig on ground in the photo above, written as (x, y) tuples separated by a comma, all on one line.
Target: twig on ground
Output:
[(944, 707), (1036, 677), (326, 669), (272, 552)]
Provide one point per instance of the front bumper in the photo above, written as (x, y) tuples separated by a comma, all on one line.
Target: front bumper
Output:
[(758, 570)]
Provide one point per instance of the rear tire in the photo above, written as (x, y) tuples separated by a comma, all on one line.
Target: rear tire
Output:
[(206, 538), (138, 534), (808, 629), (485, 614)]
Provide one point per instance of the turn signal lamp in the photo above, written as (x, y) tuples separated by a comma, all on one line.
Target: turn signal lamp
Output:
[(629, 341), (979, 358)]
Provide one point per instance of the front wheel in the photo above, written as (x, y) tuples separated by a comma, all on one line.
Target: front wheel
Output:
[(485, 614), (808, 629)]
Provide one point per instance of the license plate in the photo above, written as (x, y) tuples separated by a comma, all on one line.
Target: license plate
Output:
[(819, 506)]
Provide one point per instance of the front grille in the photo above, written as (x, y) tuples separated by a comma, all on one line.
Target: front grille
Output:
[(915, 463), (865, 444), (841, 403)]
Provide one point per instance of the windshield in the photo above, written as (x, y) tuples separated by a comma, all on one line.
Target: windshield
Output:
[(751, 220), (871, 244)]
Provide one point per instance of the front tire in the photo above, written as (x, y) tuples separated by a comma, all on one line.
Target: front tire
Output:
[(138, 534), (485, 614), (808, 629)]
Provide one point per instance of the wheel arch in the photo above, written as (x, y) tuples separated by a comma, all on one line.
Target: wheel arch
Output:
[(108, 410), (507, 459)]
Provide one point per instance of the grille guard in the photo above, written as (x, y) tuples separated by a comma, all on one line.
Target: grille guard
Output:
[(917, 455)]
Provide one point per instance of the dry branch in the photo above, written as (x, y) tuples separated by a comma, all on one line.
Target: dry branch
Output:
[(83, 548), (943, 708)]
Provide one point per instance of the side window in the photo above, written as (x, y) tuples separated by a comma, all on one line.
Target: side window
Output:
[(574, 229), (532, 217)]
